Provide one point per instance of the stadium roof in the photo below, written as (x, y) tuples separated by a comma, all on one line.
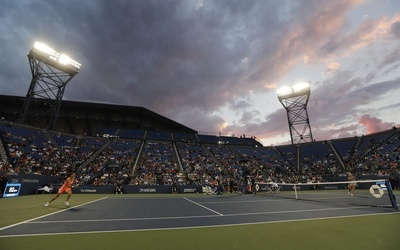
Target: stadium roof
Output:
[(77, 117)]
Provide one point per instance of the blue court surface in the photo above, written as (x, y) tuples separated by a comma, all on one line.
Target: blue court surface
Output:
[(128, 213)]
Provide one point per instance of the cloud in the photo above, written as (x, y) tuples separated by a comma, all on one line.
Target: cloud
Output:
[(315, 32), (332, 68), (374, 124), (395, 29), (172, 55), (334, 132), (189, 60), (368, 32)]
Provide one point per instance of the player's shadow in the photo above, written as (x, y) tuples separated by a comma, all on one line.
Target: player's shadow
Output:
[(75, 209), (72, 209)]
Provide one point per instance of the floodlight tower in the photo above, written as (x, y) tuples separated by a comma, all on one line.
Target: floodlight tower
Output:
[(294, 99), (51, 71)]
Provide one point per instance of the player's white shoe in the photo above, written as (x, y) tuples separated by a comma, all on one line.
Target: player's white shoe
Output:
[(66, 203), (46, 205)]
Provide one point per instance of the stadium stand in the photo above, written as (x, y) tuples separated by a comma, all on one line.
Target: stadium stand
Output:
[(161, 152)]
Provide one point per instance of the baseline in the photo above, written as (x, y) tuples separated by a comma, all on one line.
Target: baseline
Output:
[(46, 215)]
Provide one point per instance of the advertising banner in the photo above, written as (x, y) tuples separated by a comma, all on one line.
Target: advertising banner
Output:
[(12, 190)]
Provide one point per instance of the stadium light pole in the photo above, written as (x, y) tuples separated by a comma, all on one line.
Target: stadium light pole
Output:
[(51, 71), (295, 99)]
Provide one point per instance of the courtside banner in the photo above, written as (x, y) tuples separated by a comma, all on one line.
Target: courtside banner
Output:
[(94, 190), (12, 190), (161, 189), (136, 189)]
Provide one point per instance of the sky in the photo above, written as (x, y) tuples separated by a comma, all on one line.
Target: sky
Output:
[(215, 66)]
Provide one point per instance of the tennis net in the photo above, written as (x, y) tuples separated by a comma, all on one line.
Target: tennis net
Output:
[(374, 193)]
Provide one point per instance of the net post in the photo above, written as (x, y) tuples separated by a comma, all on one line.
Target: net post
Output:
[(295, 190), (391, 195)]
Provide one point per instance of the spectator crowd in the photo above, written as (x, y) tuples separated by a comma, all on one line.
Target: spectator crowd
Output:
[(111, 161)]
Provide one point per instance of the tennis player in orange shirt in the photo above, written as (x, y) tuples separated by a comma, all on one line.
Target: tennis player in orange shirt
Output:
[(65, 188)]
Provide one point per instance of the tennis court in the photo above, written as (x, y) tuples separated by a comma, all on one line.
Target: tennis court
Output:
[(136, 213)]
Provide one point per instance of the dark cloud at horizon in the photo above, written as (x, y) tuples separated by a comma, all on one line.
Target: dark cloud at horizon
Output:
[(187, 60)]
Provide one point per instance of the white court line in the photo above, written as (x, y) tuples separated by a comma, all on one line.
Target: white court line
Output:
[(23, 222), (242, 201), (196, 216), (209, 209), (195, 227), (125, 219)]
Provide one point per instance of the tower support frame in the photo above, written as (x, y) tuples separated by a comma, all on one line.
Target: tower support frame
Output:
[(295, 104), (46, 90)]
